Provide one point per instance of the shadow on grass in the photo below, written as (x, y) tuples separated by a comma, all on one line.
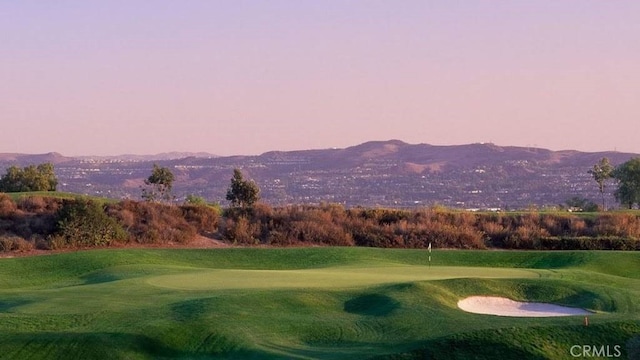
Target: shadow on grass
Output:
[(371, 305), (340, 350), (192, 310), (569, 295), (447, 348), (590, 300), (633, 347), (66, 345), (525, 343), (8, 305), (99, 278)]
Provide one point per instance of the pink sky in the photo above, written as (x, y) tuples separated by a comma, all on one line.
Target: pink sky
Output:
[(245, 77)]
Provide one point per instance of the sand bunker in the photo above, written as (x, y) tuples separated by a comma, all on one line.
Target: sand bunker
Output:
[(492, 305)]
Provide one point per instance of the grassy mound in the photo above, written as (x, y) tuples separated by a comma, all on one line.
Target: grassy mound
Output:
[(309, 303), (16, 196)]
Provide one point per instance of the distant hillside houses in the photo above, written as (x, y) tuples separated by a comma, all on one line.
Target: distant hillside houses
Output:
[(381, 174)]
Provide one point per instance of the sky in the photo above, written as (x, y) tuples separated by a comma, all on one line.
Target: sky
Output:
[(243, 77)]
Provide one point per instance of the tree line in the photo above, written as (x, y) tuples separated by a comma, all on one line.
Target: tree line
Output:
[(241, 193), (30, 178), (157, 187), (627, 176)]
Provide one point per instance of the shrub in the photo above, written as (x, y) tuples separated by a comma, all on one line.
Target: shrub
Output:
[(39, 204), (33, 204), (30, 225), (325, 233), (577, 226), (7, 206), (83, 222), (153, 223), (57, 242), (588, 243), (526, 232), (241, 231), (14, 243), (195, 200), (203, 217), (494, 230), (623, 225)]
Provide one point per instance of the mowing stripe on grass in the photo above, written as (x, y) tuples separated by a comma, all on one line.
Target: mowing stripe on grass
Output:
[(338, 277)]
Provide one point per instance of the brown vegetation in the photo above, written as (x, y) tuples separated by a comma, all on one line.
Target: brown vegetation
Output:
[(50, 223), (390, 228)]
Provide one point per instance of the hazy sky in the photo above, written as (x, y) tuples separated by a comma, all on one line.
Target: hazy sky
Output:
[(244, 77)]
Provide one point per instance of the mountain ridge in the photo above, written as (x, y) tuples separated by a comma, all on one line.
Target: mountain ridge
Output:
[(389, 173), (369, 149)]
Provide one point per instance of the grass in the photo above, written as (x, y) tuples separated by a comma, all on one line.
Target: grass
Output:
[(562, 213), (309, 303), (15, 196)]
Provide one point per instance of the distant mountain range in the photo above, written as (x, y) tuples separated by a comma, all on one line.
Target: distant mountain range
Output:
[(157, 157), (377, 173), (56, 158), (15, 158)]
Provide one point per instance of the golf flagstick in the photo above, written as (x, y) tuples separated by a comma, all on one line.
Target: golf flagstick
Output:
[(429, 254)]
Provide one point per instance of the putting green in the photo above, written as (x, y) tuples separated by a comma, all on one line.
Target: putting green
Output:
[(335, 277)]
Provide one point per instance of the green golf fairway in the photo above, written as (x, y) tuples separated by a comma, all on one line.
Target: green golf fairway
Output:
[(310, 303), (338, 277)]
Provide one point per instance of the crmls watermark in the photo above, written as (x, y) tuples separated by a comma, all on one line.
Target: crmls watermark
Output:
[(592, 351)]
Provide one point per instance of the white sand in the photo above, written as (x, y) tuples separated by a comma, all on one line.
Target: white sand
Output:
[(500, 306)]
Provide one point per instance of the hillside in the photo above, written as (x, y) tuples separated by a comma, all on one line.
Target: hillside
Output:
[(378, 173), (27, 159)]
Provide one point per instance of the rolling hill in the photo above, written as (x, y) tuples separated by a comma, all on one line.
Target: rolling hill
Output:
[(310, 303), (377, 173)]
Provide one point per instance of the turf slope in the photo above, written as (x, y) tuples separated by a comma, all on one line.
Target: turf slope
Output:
[(312, 303)]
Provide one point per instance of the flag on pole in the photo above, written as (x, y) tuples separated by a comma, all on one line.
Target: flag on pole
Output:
[(429, 253)]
